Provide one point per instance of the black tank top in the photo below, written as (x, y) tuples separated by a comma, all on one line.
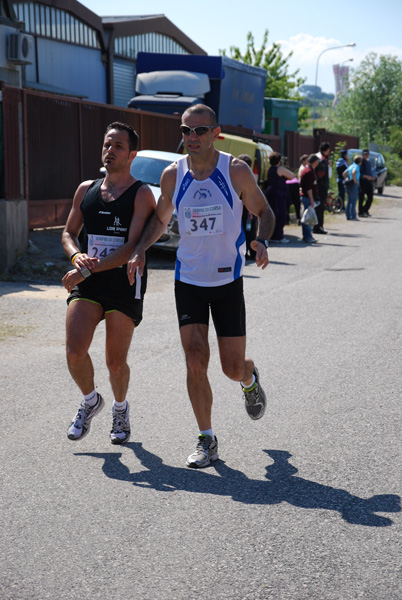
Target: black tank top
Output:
[(106, 227)]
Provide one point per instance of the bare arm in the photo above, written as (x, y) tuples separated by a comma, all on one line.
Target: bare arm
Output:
[(244, 183), (283, 172), (156, 225), (69, 238)]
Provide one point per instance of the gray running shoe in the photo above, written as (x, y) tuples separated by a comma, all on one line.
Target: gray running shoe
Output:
[(206, 450), (255, 399), (79, 426), (120, 431)]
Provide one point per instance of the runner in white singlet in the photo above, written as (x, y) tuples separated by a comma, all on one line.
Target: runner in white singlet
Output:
[(208, 189)]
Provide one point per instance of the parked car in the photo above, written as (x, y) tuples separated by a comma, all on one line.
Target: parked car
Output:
[(148, 166), (378, 166)]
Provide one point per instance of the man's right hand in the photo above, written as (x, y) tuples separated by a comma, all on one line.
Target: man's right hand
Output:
[(137, 261)]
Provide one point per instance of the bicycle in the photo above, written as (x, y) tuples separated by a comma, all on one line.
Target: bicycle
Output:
[(333, 203)]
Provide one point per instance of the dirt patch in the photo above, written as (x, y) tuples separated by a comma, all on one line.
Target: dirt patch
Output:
[(43, 262)]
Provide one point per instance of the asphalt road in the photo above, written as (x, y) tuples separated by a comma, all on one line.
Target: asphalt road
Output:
[(304, 504)]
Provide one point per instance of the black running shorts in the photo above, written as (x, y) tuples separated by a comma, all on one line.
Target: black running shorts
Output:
[(226, 303), (131, 308)]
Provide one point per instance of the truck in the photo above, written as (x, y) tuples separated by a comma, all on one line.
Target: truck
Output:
[(170, 83)]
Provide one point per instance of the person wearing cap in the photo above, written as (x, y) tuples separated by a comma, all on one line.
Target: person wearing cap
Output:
[(366, 185), (341, 166)]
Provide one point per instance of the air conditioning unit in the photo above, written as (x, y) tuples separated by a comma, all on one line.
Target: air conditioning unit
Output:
[(20, 48)]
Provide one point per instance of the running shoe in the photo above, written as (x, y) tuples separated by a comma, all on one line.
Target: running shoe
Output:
[(255, 399), (206, 450), (120, 431), (80, 425)]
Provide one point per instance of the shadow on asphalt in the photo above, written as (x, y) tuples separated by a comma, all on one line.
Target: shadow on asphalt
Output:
[(282, 485)]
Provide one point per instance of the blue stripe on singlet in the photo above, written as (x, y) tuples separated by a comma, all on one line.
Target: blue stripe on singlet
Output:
[(222, 184), (185, 182), (238, 263)]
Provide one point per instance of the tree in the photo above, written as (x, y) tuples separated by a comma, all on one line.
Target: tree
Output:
[(280, 83), (372, 109)]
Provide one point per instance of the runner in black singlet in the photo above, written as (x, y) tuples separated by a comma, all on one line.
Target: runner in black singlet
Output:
[(112, 213)]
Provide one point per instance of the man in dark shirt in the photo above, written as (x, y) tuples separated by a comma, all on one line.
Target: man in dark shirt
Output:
[(323, 176), (341, 166), (309, 192), (112, 213), (366, 185)]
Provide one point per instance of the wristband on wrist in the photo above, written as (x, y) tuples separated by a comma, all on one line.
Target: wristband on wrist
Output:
[(73, 256), (262, 241)]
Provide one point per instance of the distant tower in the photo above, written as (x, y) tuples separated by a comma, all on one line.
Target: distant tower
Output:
[(341, 74)]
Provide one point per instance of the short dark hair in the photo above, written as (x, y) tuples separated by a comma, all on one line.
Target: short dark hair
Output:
[(275, 158), (199, 109), (366, 151), (324, 146), (344, 152), (132, 134), (247, 159), (312, 158)]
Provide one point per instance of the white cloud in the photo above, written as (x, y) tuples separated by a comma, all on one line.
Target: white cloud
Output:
[(307, 49)]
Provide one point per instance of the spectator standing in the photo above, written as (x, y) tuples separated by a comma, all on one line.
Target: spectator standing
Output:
[(249, 221), (341, 166), (366, 185), (352, 189), (303, 163), (277, 193), (309, 193), (323, 172)]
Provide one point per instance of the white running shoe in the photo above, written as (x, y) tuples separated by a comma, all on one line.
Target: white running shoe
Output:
[(206, 450), (120, 431), (80, 425)]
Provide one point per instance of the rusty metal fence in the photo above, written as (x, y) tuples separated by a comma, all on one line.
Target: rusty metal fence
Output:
[(52, 143)]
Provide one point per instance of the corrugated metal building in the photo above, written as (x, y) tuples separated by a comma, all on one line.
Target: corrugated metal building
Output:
[(75, 52)]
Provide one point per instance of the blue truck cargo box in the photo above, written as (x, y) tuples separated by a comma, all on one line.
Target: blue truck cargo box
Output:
[(237, 89)]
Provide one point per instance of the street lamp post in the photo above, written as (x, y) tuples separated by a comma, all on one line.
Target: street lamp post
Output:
[(350, 45)]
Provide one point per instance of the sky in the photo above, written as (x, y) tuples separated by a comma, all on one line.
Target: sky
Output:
[(306, 28)]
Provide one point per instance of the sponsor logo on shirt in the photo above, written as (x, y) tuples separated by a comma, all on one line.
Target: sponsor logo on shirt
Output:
[(116, 226), (223, 185), (202, 194)]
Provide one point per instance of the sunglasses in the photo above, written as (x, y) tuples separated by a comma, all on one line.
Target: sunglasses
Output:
[(201, 130)]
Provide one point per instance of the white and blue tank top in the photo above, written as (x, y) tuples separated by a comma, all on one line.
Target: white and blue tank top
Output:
[(212, 241)]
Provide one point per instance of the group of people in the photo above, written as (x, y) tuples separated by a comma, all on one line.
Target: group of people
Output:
[(117, 221), (222, 215), (358, 184), (310, 189)]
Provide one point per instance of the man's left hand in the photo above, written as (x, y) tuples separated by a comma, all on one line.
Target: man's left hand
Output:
[(71, 278), (261, 257)]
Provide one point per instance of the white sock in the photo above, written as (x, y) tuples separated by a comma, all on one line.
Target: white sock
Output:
[(90, 399), (250, 385), (120, 405), (207, 432)]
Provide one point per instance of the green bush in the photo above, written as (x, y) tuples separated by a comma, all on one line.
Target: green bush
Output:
[(394, 166)]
